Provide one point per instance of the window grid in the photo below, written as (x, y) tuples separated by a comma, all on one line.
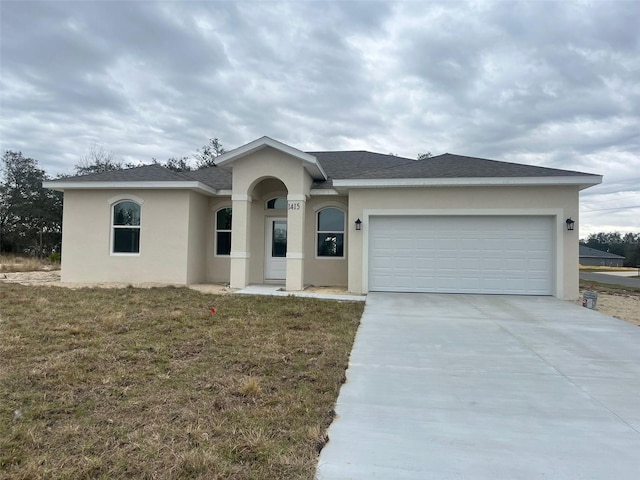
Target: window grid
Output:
[(125, 225), (330, 233), (223, 231)]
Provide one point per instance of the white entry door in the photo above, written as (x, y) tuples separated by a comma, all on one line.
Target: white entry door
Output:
[(276, 249)]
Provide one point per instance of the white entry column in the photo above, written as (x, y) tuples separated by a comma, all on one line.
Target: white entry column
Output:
[(240, 235), (296, 207)]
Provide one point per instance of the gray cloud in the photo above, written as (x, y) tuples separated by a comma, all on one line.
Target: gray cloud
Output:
[(546, 83)]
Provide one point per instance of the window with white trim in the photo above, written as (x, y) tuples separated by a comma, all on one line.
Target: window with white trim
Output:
[(126, 227), (223, 231), (330, 233)]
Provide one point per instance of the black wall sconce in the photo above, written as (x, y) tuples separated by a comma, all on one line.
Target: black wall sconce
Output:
[(570, 223), (358, 224)]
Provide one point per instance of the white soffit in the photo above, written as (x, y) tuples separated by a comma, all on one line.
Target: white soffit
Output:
[(187, 185), (582, 181), (310, 162)]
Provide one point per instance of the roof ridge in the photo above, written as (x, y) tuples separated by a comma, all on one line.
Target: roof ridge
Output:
[(390, 155), (507, 161), (596, 251)]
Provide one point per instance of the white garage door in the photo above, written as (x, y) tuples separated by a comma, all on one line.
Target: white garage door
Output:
[(474, 254)]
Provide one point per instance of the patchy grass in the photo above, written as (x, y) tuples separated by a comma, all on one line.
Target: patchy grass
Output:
[(611, 289), (147, 383), (14, 263)]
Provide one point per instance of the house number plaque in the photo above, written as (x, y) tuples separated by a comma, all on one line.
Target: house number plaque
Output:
[(294, 205)]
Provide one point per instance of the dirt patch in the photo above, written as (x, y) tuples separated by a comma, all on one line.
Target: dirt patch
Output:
[(52, 278), (41, 277), (328, 290), (625, 306)]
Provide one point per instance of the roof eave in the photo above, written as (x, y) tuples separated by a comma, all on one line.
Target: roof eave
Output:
[(195, 186), (582, 181), (310, 162)]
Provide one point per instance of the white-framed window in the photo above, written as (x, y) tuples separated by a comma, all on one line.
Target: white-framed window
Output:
[(330, 233), (278, 203), (125, 226), (223, 231)]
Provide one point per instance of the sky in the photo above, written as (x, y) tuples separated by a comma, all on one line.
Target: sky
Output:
[(553, 84)]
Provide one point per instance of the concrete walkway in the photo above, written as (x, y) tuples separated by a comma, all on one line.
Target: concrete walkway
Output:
[(279, 291), (487, 387)]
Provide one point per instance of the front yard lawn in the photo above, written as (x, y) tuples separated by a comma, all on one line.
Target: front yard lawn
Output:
[(148, 383)]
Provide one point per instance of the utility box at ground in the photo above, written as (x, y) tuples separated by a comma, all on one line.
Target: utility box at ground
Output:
[(590, 299)]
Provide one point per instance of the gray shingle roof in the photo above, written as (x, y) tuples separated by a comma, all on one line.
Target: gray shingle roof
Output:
[(346, 165), (458, 166), (593, 253), (354, 164), (215, 177), (146, 173)]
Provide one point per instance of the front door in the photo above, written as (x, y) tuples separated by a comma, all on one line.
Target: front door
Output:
[(276, 249)]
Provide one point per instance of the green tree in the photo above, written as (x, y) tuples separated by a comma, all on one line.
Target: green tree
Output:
[(424, 156), (627, 245), (30, 215), (206, 156), (178, 164)]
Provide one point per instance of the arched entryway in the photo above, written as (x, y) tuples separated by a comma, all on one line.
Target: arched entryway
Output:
[(269, 213), (261, 175)]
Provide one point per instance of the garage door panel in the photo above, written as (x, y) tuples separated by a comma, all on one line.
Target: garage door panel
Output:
[(462, 254)]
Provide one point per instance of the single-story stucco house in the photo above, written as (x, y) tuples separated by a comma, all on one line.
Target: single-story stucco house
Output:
[(269, 212), (597, 258)]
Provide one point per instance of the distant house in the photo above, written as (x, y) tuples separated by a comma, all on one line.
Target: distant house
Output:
[(592, 257)]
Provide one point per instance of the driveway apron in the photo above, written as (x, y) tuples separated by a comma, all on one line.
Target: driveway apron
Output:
[(487, 387)]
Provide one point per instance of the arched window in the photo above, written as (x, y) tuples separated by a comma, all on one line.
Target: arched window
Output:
[(330, 231), (223, 231), (279, 203), (126, 227)]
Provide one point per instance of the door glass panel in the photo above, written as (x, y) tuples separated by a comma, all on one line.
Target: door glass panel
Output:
[(279, 239)]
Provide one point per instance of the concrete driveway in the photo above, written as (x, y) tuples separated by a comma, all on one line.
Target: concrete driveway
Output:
[(487, 387)]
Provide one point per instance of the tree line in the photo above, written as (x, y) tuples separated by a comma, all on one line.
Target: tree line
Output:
[(626, 245), (31, 216)]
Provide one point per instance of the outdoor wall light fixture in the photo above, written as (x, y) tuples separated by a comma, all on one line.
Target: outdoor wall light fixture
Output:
[(358, 224), (570, 224)]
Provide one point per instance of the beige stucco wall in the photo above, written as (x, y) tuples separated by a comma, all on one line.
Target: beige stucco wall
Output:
[(559, 202), (164, 245), (269, 163), (198, 226)]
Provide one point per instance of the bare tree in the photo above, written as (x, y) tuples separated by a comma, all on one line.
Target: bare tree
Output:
[(98, 160)]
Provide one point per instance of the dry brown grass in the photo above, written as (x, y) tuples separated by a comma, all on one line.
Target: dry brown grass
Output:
[(592, 268), (147, 383), (14, 263)]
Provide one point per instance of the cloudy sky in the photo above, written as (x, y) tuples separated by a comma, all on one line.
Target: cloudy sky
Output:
[(546, 83)]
